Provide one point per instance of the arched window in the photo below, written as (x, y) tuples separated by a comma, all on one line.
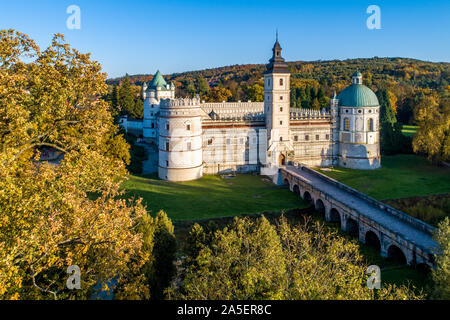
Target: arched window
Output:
[(281, 82), (346, 124), (370, 124)]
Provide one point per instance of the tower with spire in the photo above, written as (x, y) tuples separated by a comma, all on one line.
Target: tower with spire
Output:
[(276, 107)]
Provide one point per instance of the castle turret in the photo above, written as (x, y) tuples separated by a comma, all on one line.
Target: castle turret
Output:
[(180, 140), (359, 146), (153, 93)]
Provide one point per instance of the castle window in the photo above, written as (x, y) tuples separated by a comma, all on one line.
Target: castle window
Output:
[(281, 82), (281, 109), (281, 97), (317, 137), (167, 163), (281, 138), (327, 137), (188, 127), (295, 138), (209, 141), (346, 124), (359, 111), (281, 123), (167, 146), (167, 126), (153, 125), (307, 138), (370, 124)]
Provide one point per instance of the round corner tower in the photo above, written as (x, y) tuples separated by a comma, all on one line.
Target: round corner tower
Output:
[(180, 140), (359, 113)]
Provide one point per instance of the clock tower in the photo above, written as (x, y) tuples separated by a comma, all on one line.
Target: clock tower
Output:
[(276, 107)]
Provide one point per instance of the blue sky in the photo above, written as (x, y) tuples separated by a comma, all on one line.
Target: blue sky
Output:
[(139, 37)]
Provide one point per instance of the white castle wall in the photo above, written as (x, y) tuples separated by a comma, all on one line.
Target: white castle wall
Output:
[(233, 149)]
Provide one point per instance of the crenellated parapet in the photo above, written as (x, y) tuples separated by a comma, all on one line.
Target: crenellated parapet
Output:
[(304, 114), (180, 102)]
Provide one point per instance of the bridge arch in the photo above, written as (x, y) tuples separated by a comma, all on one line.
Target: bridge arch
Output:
[(320, 206), (395, 253), (371, 239), (307, 196), (335, 216), (352, 227), (296, 189)]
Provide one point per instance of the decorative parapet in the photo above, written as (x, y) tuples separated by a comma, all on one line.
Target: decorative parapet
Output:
[(180, 102), (234, 111), (301, 114)]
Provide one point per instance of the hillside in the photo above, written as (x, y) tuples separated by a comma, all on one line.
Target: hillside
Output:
[(315, 81)]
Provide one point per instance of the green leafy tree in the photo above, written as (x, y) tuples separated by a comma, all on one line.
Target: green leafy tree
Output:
[(257, 260), (441, 274), (55, 216), (255, 93), (202, 86), (433, 135), (126, 97), (164, 250)]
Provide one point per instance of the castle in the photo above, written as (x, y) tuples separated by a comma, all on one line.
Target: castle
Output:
[(196, 138)]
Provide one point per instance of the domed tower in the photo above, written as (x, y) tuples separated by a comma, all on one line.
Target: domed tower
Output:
[(153, 93), (359, 139), (180, 140)]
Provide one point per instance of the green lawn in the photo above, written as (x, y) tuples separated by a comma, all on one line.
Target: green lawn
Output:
[(401, 176), (409, 130), (212, 196)]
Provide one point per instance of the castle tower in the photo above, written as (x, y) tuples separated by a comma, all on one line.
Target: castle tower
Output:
[(152, 94), (276, 107), (180, 140), (359, 138)]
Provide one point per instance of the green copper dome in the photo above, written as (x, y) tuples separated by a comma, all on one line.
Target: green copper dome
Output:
[(158, 81), (358, 95)]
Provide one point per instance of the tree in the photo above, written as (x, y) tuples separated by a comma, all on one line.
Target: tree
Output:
[(255, 93), (126, 97), (441, 274), (258, 260), (55, 216), (202, 86), (433, 135), (219, 94), (162, 270)]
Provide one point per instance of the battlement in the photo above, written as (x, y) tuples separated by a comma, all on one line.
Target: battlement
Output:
[(180, 102), (301, 114)]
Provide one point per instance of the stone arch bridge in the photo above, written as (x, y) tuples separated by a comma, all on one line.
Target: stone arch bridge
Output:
[(396, 234)]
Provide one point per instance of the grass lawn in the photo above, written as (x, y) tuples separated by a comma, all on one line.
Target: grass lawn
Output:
[(212, 196), (401, 176), (409, 130)]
